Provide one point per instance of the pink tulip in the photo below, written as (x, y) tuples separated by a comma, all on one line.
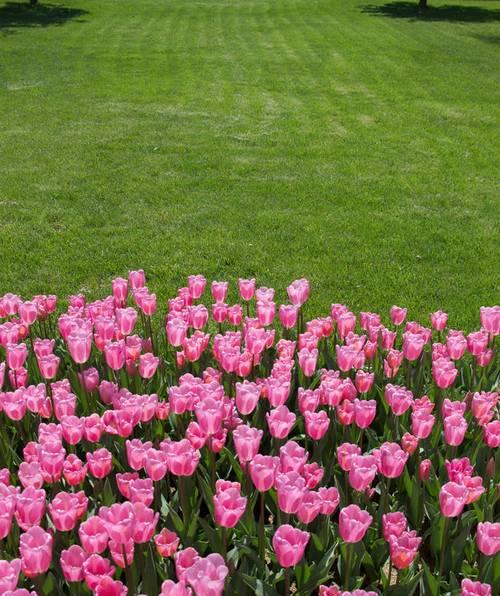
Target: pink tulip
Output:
[(209, 414), (455, 427), (346, 323), (278, 391), (490, 319), (403, 549), (219, 290), (167, 543), (35, 547), (229, 506), (247, 288), (136, 452), (290, 487), (444, 373), (345, 454), (308, 360), (145, 521), (288, 315), (30, 507), (409, 443), (398, 315), (280, 422), (71, 562), (456, 345), (182, 459), (235, 315), (310, 507), (79, 345), (100, 462), (207, 575), (353, 523), (95, 568), (247, 441), (16, 355), (141, 490), (72, 429), (9, 574), (30, 474), (136, 279), (265, 312), (219, 312), (148, 363), (119, 521), (184, 560), (93, 535), (392, 460), (48, 366), (452, 499), (66, 508), (364, 412), (471, 588), (362, 472), (330, 499), (364, 381), (439, 320), (393, 524), (120, 290), (247, 397), (51, 458), (422, 423), (171, 588), (488, 538), (7, 506), (477, 342), (292, 457), (317, 424), (263, 470), (14, 404), (106, 586), (491, 434), (289, 545), (425, 470), (413, 345), (115, 354)]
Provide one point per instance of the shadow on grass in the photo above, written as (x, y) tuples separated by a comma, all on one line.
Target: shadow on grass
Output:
[(410, 11), (14, 15)]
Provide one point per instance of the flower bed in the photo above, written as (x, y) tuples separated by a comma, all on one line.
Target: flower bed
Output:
[(240, 451)]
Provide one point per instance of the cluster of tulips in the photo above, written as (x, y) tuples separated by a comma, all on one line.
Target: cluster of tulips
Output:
[(243, 449)]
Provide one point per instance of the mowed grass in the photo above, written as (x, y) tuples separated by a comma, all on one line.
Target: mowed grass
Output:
[(351, 142)]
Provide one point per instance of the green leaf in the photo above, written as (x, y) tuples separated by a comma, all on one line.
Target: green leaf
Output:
[(431, 584), (320, 572), (258, 587), (211, 535), (406, 589), (149, 583)]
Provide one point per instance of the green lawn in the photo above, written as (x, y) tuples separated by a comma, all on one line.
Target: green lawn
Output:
[(348, 141)]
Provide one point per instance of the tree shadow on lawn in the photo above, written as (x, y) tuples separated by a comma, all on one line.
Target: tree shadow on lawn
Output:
[(14, 15), (410, 11)]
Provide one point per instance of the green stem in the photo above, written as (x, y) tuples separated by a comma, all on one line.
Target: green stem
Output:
[(443, 546), (262, 530), (348, 565), (287, 581)]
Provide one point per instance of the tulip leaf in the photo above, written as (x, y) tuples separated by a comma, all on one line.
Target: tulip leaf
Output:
[(252, 555), (107, 493), (176, 520), (149, 583), (211, 535), (431, 583), (258, 586), (406, 589), (320, 572)]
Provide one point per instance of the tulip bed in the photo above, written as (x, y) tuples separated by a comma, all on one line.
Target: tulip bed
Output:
[(245, 449)]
